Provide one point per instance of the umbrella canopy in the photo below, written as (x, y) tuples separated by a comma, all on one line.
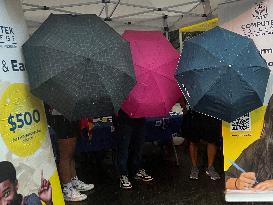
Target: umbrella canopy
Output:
[(222, 74), (155, 62), (79, 65)]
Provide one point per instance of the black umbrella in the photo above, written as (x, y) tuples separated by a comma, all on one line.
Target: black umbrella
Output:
[(79, 65), (222, 74)]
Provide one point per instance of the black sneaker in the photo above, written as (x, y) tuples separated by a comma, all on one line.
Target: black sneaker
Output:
[(212, 173), (124, 182), (194, 173), (142, 175)]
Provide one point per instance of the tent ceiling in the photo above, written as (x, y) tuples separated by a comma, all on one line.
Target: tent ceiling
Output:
[(126, 14)]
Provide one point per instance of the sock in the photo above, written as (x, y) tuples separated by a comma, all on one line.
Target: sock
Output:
[(211, 167), (74, 178), (67, 185)]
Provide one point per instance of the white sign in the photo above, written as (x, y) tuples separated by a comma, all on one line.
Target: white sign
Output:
[(254, 19)]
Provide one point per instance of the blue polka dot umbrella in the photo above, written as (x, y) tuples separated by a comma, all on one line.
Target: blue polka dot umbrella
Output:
[(222, 74)]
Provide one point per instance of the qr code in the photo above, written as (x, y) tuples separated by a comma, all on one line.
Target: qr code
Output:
[(241, 124)]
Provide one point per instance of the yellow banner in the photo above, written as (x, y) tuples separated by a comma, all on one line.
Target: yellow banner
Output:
[(240, 133), (203, 26)]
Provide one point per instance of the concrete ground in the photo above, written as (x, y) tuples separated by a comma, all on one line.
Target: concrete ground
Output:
[(171, 185)]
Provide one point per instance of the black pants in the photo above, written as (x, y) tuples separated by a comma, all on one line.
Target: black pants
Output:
[(130, 140)]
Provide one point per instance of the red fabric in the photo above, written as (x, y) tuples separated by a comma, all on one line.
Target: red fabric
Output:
[(86, 123)]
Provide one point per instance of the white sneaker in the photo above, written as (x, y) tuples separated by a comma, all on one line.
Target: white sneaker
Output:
[(80, 185), (71, 194), (124, 182)]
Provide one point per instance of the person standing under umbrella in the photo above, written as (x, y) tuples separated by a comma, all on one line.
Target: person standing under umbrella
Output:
[(67, 133), (130, 140), (196, 127)]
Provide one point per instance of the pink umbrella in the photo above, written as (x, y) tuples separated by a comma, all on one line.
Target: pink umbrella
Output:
[(155, 60)]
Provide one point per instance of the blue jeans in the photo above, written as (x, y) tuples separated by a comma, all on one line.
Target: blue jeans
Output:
[(130, 141)]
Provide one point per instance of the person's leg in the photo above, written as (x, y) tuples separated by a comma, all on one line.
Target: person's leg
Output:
[(76, 183), (193, 150), (136, 151), (66, 151), (66, 148), (72, 159), (123, 141), (136, 147), (211, 152)]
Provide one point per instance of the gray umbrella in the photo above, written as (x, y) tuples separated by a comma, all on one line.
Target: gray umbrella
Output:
[(79, 65)]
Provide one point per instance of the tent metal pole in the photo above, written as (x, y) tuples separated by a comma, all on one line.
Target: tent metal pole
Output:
[(166, 27), (106, 10), (101, 10), (194, 7), (180, 42), (38, 7), (166, 8), (77, 4), (150, 7), (207, 8), (114, 9), (133, 14)]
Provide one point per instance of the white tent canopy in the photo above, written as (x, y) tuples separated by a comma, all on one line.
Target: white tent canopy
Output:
[(126, 14)]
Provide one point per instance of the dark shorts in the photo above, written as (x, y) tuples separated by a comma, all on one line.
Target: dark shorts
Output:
[(197, 126), (64, 128)]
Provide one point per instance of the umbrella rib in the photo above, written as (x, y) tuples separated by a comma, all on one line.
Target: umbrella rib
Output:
[(155, 71), (107, 63), (240, 75), (73, 54), (57, 50), (242, 78), (208, 51), (160, 92), (242, 53), (67, 51), (108, 91), (212, 84), (205, 68)]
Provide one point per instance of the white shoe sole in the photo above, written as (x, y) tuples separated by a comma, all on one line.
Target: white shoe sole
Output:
[(214, 179), (75, 199), (145, 180), (125, 187), (87, 189)]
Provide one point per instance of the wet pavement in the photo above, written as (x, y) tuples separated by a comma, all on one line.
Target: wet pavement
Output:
[(171, 185)]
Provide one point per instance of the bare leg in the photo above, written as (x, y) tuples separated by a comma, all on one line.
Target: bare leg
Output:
[(193, 153), (211, 149), (72, 161), (66, 149)]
